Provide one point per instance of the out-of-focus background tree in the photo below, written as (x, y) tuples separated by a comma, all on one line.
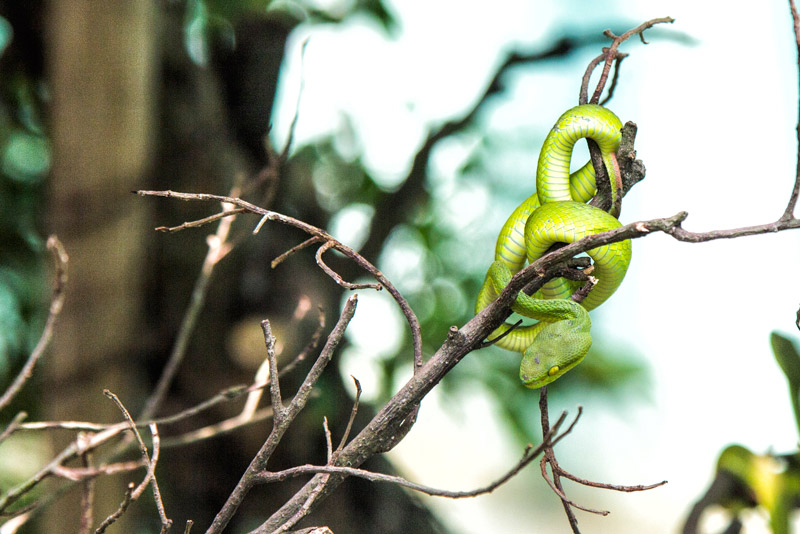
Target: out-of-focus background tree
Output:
[(99, 99)]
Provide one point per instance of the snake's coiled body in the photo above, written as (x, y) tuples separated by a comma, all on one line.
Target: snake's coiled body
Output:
[(557, 213)]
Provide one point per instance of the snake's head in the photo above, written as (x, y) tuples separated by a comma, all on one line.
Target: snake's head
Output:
[(557, 349)]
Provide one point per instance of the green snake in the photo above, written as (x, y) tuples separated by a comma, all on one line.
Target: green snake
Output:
[(558, 213)]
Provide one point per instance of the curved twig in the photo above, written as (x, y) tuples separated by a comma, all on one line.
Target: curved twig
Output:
[(267, 215), (335, 276), (528, 456), (610, 55), (56, 304), (283, 418)]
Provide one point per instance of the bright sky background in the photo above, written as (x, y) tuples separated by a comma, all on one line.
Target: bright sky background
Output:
[(716, 131)]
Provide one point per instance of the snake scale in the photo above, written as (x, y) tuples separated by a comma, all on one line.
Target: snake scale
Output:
[(558, 213)]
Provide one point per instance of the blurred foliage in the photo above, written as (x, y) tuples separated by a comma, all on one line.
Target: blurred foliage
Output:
[(24, 164), (746, 481)]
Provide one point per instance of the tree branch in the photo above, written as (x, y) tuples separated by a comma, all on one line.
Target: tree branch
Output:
[(528, 456), (283, 416), (391, 418), (789, 212), (56, 304)]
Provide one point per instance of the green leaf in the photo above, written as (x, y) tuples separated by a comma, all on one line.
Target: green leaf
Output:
[(788, 359)]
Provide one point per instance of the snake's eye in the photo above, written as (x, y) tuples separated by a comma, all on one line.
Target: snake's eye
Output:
[(553, 370)]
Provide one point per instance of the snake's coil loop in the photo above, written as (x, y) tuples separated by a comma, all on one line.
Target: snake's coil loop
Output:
[(558, 213)]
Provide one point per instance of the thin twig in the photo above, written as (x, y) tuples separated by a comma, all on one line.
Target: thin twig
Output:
[(78, 474), (217, 249), (111, 519), (614, 487), (150, 477), (87, 498), (80, 445), (328, 438), (166, 523), (555, 485), (611, 52), (549, 457), (279, 411), (277, 261), (221, 397), (335, 276), (353, 413), (529, 455), (284, 418), (200, 222), (312, 345), (557, 472), (358, 259), (615, 77), (583, 97), (216, 430), (13, 426), (788, 214), (303, 511), (56, 304), (604, 199)]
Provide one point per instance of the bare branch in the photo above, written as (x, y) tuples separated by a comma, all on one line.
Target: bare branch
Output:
[(615, 487), (13, 426), (555, 484), (150, 478), (611, 54), (217, 429), (615, 77), (277, 261), (328, 438), (529, 455), (336, 278), (200, 222), (166, 523), (549, 457), (56, 304), (87, 499), (279, 411), (352, 419), (282, 422), (358, 259), (788, 214), (84, 442), (557, 471), (77, 474), (217, 249), (126, 501)]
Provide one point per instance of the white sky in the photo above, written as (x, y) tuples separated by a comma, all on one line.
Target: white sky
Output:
[(716, 131)]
